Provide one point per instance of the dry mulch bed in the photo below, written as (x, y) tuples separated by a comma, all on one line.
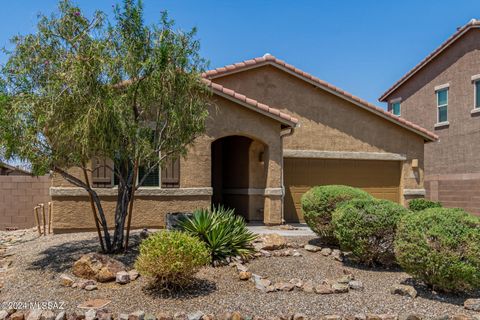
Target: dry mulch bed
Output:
[(34, 276)]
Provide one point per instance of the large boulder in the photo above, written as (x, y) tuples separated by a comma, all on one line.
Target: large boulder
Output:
[(273, 241), (97, 267)]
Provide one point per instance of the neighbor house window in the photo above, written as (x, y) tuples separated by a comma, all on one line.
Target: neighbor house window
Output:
[(396, 108), (442, 105), (477, 94)]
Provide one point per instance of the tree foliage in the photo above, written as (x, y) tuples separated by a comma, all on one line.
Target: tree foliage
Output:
[(82, 87)]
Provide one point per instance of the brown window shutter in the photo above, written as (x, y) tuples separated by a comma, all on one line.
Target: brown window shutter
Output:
[(171, 173), (101, 175)]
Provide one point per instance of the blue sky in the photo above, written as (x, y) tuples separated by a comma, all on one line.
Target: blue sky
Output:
[(360, 46)]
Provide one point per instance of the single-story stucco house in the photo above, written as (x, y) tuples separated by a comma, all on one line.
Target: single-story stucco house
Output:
[(273, 132)]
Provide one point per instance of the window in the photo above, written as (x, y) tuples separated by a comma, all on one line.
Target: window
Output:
[(442, 104), (477, 94), (168, 178), (396, 108)]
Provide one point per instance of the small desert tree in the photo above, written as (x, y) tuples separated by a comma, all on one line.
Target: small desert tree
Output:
[(84, 87)]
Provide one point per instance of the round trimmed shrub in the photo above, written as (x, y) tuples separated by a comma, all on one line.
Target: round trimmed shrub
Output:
[(366, 227), (422, 204), (318, 204), (171, 258), (441, 247)]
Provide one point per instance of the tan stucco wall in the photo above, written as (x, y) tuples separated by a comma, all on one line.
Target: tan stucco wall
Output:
[(74, 213), (227, 118), (327, 122)]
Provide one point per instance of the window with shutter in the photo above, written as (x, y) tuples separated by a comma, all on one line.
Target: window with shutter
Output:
[(171, 173), (101, 173)]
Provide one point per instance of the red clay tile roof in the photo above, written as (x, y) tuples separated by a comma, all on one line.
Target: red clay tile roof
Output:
[(269, 59), (460, 32), (252, 104)]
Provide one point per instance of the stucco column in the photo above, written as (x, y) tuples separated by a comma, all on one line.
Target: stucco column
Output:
[(273, 197)]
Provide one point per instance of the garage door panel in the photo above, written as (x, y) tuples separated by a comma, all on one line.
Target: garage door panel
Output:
[(379, 178)]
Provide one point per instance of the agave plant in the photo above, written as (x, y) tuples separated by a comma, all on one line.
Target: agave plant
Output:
[(224, 233)]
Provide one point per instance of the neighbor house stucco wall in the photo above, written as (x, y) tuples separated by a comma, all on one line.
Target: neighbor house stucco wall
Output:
[(328, 122), (452, 166)]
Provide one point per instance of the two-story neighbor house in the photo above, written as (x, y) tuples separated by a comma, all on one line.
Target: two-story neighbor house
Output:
[(442, 94), (273, 132)]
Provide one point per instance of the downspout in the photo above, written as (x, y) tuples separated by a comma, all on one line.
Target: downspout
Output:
[(283, 135)]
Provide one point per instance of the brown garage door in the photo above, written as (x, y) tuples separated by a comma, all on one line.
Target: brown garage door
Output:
[(379, 178)]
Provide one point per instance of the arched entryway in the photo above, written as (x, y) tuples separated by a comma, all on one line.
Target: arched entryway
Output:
[(239, 170)]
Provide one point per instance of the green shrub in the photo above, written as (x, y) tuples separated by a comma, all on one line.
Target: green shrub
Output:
[(441, 247), (318, 204), (366, 227), (422, 204), (224, 233), (171, 258)]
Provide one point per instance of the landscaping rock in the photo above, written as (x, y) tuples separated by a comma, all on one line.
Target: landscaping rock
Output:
[(345, 279), (472, 304), (461, 317), (312, 248), (208, 317), (284, 286), (299, 316), (225, 316), (98, 267), (355, 285), (61, 316), (296, 253), (308, 286), (164, 316), (340, 288), (245, 275), (195, 316), (133, 274), (409, 316), (273, 241), (34, 314), (104, 315), (137, 315), (19, 315), (236, 316), (404, 290), (90, 314), (323, 289), (47, 315), (122, 277), (66, 281), (262, 284), (337, 255), (91, 287), (82, 284), (326, 251), (3, 314), (123, 316), (360, 316), (296, 282), (331, 317), (240, 267)]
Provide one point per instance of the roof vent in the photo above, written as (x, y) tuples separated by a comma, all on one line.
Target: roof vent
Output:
[(267, 54), (473, 21)]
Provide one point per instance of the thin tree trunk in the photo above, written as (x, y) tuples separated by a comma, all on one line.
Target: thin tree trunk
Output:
[(94, 211), (130, 204), (79, 183)]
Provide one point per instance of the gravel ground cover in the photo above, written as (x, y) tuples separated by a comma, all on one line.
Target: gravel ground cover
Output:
[(34, 277)]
